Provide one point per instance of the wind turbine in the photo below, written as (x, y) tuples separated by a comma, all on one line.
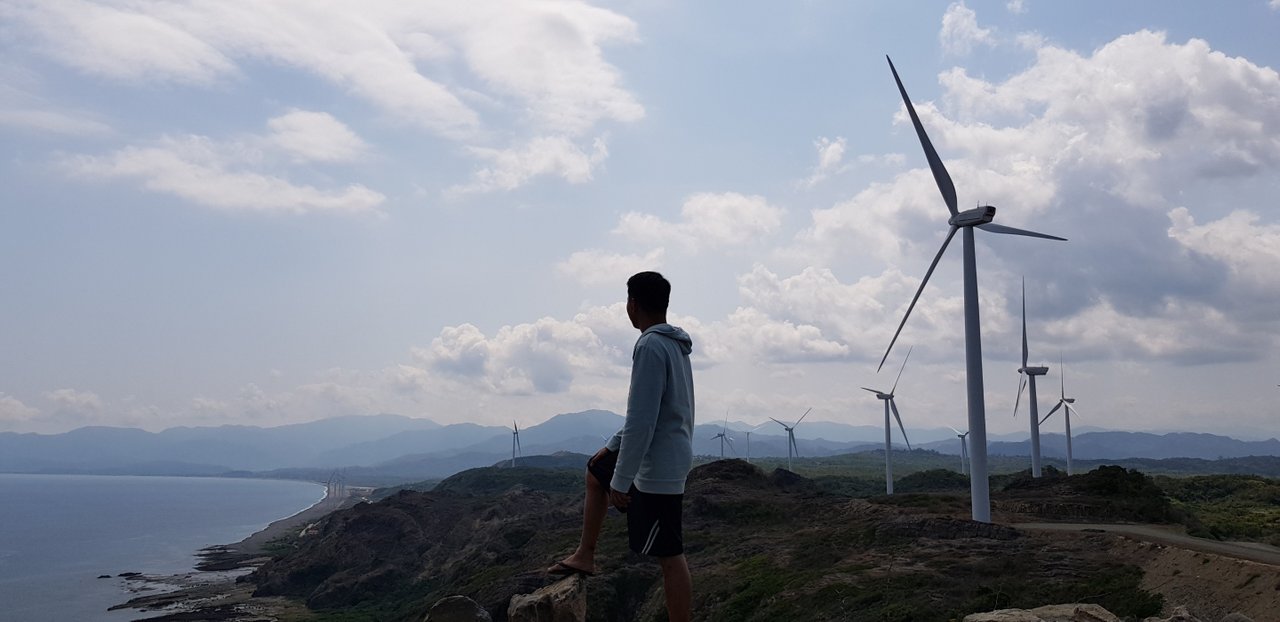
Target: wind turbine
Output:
[(964, 447), (791, 436), (748, 433), (1027, 375), (889, 403), (724, 435), (515, 442), (1064, 403), (980, 217)]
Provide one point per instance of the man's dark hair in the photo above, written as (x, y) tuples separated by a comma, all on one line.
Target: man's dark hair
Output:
[(650, 290)]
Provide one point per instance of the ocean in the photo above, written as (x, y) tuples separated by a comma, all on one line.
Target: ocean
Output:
[(58, 533)]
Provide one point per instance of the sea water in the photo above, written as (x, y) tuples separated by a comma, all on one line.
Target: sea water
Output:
[(58, 533)]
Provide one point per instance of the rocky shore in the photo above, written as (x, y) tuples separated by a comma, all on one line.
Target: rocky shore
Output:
[(213, 590)]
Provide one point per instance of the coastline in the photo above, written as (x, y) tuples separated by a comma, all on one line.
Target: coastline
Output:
[(212, 591)]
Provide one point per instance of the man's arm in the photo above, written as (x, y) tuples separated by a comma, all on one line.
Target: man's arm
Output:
[(648, 382)]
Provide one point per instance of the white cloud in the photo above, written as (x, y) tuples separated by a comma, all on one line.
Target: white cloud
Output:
[(544, 356), (82, 403), (214, 174), (121, 43), (708, 221), (597, 267), (960, 31), (54, 122), (14, 411), (536, 69), (315, 136), (1249, 248), (1019, 6), (547, 155), (1274, 4), (830, 159)]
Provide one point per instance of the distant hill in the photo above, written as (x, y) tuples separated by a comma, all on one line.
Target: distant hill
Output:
[(1117, 445)]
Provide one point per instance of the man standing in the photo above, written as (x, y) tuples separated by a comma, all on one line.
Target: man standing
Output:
[(643, 468)]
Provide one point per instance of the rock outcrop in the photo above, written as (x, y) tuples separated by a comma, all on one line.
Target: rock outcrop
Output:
[(457, 609), (562, 601), (1081, 613), (1049, 613)]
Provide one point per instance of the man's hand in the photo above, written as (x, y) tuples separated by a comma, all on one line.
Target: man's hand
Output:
[(619, 499), (598, 455)]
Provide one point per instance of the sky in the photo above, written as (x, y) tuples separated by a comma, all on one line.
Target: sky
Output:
[(237, 212)]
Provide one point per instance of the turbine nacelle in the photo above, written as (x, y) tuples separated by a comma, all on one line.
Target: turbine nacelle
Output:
[(1034, 371), (980, 215), (1069, 400)]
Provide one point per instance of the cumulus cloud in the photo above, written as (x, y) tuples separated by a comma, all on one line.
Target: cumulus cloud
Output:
[(14, 411), (708, 221), (598, 267), (1016, 6), (509, 169), (960, 31), (209, 173), (1248, 248), (544, 356), (314, 136)]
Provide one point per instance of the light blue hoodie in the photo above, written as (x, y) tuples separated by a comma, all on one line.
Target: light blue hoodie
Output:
[(655, 444)]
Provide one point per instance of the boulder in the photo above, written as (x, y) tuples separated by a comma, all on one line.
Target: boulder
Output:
[(562, 601), (1075, 612), (1180, 614), (457, 609)]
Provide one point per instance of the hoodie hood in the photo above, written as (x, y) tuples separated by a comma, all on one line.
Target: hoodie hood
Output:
[(674, 333)]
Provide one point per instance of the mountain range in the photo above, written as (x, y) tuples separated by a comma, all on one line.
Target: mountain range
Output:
[(387, 447)]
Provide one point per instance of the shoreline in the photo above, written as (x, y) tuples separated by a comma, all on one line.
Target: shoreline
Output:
[(211, 590)]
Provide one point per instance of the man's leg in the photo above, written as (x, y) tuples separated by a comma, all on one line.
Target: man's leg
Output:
[(594, 508), (678, 586)]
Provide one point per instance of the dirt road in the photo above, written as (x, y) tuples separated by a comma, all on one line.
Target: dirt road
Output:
[(1172, 536)]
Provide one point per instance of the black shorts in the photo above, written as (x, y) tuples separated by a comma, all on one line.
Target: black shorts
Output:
[(653, 521)]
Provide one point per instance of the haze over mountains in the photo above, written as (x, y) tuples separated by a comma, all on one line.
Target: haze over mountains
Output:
[(398, 446)]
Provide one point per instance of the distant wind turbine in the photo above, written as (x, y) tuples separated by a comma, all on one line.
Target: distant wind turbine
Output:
[(980, 217), (1065, 403), (889, 403), (964, 448), (1027, 375), (791, 436), (748, 433), (724, 435), (515, 442)]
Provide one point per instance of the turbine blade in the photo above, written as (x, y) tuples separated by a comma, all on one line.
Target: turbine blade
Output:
[(793, 443), (779, 422), (894, 406), (994, 228), (806, 414), (1022, 384), (1062, 375), (955, 430), (923, 282), (871, 390), (904, 366), (945, 186), (1024, 323), (1055, 409)]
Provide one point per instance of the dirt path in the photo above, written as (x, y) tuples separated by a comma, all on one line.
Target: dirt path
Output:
[(1172, 536)]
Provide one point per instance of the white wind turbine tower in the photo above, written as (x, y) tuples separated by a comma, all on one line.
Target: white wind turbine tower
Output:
[(791, 436), (724, 435), (1027, 375), (889, 403), (964, 447), (1065, 403), (980, 217), (748, 433), (515, 442)]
